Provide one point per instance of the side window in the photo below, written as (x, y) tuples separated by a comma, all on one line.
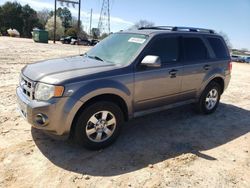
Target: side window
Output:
[(218, 47), (165, 48), (194, 49)]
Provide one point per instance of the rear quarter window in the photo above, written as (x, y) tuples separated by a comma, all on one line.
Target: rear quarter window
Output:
[(218, 47)]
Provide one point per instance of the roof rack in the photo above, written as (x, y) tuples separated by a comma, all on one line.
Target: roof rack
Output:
[(157, 28), (177, 28)]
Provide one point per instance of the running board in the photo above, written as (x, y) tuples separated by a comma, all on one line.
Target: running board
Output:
[(162, 108)]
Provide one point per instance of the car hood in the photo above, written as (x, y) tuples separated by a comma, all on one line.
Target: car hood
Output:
[(55, 71)]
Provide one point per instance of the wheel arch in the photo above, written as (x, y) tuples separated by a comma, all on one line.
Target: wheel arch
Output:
[(110, 97), (218, 79)]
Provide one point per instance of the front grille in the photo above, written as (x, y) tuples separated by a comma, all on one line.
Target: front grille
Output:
[(28, 87)]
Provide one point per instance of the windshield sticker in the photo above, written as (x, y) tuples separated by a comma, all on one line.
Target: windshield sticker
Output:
[(136, 40)]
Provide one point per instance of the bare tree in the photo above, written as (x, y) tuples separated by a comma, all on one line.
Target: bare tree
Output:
[(43, 16), (227, 40), (244, 49), (142, 23)]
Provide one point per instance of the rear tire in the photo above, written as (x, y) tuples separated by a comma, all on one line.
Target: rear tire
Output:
[(209, 99), (98, 125)]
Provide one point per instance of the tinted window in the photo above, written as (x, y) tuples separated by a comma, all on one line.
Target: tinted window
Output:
[(165, 48), (218, 47), (194, 49)]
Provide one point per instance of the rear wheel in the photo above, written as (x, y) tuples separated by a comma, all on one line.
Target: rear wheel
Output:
[(209, 99), (98, 125)]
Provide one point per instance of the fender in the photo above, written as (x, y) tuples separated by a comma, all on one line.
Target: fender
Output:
[(214, 73), (93, 89)]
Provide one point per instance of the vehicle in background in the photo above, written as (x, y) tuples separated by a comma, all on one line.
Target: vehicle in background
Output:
[(247, 59), (238, 58), (85, 42), (235, 58), (67, 40), (241, 59), (93, 42)]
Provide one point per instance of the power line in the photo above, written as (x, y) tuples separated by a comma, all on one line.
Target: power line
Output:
[(76, 2)]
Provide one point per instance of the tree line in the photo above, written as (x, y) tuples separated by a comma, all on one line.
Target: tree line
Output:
[(24, 19)]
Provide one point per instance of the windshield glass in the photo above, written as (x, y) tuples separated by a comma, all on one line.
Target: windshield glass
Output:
[(118, 48)]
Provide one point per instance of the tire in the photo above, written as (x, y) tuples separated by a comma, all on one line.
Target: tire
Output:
[(93, 130), (206, 105)]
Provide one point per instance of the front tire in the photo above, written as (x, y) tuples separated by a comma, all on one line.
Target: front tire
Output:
[(98, 125), (209, 99)]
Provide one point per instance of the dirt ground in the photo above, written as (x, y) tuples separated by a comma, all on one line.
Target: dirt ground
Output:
[(174, 148)]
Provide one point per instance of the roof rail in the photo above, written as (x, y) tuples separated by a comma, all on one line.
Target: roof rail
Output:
[(157, 28), (192, 29), (177, 28)]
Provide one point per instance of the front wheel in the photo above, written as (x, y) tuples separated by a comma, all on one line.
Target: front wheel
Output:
[(209, 99), (98, 125)]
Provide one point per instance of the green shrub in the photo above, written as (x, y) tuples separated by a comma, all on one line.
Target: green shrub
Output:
[(71, 32)]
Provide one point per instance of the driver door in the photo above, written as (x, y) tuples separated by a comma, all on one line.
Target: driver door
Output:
[(159, 86)]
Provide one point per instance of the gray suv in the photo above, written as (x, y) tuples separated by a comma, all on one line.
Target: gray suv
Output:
[(128, 74)]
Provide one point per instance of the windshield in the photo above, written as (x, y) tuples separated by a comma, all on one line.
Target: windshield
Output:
[(118, 48)]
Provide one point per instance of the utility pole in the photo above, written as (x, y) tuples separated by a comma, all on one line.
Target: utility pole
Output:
[(55, 23), (73, 2), (79, 19), (90, 22)]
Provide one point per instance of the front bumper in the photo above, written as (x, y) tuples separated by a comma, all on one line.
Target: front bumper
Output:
[(53, 110)]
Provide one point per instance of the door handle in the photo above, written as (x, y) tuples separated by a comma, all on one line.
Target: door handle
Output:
[(206, 67), (173, 73)]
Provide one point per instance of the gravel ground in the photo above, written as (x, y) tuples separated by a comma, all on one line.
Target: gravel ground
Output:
[(174, 148)]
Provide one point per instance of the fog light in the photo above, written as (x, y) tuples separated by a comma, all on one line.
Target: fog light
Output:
[(41, 119)]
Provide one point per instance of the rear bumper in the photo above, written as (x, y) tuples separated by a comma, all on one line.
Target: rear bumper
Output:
[(226, 81)]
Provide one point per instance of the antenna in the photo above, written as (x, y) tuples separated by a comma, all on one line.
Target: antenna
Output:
[(104, 20)]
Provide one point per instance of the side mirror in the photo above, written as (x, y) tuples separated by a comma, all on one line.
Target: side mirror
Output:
[(151, 61)]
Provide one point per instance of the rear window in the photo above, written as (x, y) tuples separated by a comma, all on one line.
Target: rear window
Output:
[(194, 49), (218, 47)]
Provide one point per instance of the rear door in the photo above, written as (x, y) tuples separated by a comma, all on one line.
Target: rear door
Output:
[(196, 61)]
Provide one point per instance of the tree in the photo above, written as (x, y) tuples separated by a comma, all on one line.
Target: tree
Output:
[(11, 17), (14, 16), (30, 20), (74, 24), (43, 17), (65, 15), (96, 33), (142, 23), (104, 35), (1, 19), (59, 28), (82, 33), (244, 49), (71, 32), (227, 40)]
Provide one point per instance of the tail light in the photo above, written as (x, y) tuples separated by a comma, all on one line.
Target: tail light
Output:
[(230, 66)]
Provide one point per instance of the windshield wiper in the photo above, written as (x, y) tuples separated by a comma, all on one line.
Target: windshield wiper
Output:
[(95, 57)]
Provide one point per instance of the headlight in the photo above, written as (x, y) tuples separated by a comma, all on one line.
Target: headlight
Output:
[(45, 91), (20, 79)]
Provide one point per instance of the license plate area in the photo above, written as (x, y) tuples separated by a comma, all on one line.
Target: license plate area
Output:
[(22, 107)]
